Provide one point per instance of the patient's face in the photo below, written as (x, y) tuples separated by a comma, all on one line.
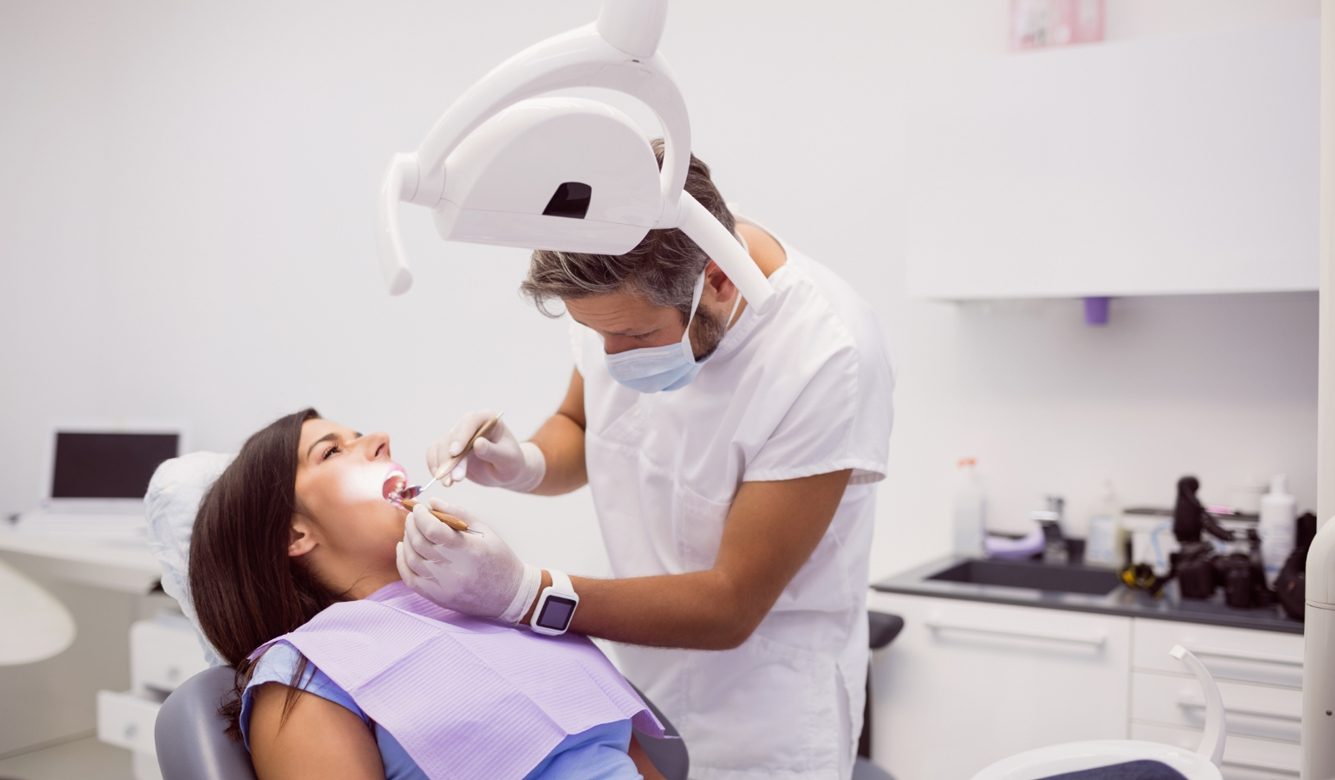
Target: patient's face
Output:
[(342, 480)]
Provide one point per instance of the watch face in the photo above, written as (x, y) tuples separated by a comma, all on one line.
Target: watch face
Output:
[(556, 612)]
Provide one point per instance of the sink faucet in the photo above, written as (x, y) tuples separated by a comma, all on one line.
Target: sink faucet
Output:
[(1055, 549)]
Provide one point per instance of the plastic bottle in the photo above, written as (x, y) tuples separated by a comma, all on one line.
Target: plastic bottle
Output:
[(1277, 527), (970, 510), (1104, 545)]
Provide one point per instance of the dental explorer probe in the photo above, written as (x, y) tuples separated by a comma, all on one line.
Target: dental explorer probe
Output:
[(413, 491), (450, 520)]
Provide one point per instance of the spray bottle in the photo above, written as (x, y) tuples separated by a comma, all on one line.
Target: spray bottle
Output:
[(970, 510), (1277, 527)]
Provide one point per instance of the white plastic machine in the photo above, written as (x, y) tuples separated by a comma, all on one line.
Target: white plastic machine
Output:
[(504, 166)]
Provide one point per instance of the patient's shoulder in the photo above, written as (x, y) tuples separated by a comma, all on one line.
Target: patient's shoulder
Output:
[(276, 670), (312, 737)]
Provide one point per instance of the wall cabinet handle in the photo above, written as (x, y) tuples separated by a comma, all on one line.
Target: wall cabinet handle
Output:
[(1241, 655), (1200, 705), (1093, 639), (1283, 770)]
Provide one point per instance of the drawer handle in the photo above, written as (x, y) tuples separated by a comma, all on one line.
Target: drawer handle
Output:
[(1200, 705), (1092, 640), (1283, 770), (1237, 655)]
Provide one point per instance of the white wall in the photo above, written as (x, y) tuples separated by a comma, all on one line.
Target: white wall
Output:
[(187, 197)]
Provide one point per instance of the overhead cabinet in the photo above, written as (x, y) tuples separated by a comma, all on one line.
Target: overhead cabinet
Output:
[(1185, 164)]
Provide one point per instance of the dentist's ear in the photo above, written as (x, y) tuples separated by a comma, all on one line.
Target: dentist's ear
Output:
[(300, 539)]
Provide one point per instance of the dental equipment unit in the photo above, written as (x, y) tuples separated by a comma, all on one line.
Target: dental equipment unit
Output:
[(506, 167)]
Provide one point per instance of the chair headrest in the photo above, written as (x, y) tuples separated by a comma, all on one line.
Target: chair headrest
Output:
[(171, 503)]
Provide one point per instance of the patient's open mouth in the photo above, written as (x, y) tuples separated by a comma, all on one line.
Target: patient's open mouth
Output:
[(395, 480)]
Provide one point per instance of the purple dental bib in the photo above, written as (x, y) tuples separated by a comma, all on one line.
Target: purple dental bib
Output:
[(467, 698)]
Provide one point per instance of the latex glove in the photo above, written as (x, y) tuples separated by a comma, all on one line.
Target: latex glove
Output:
[(497, 460), (476, 575)]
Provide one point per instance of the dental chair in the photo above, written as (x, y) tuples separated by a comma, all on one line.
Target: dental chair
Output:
[(882, 629), (1126, 759), (192, 746)]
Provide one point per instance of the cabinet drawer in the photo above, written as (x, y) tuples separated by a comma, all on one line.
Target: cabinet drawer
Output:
[(1249, 710), (1245, 758), (966, 684), (164, 655), (127, 721), (1238, 654)]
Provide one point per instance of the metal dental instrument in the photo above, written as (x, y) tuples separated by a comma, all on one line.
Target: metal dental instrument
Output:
[(413, 491), (450, 520)]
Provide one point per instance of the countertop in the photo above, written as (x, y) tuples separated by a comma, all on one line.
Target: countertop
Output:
[(1121, 601)]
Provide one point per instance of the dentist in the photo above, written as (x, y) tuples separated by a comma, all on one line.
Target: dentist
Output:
[(732, 459)]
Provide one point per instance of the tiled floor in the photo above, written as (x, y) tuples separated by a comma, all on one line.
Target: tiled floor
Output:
[(82, 759)]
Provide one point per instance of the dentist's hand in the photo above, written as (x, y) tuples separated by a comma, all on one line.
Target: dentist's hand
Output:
[(476, 575), (497, 460)]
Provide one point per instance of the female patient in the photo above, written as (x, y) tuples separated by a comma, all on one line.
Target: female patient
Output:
[(298, 527)]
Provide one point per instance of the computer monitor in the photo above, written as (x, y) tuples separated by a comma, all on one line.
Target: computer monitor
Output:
[(104, 469)]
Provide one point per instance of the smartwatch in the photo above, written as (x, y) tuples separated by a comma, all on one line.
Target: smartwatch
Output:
[(556, 606)]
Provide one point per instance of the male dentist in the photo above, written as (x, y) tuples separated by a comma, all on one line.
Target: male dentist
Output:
[(732, 459)]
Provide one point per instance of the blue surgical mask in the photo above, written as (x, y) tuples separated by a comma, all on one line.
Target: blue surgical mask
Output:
[(669, 367)]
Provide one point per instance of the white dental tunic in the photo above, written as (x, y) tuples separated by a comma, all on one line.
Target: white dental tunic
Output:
[(804, 389)]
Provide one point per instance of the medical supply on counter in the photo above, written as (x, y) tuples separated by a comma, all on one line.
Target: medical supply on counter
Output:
[(1291, 584), (1055, 550), (500, 153), (1247, 495), (1190, 518), (1106, 542), (1007, 548), (450, 520), (549, 689), (1277, 530), (970, 510), (1152, 539)]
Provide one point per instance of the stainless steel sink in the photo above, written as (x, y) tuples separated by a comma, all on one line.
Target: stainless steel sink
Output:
[(1033, 575)]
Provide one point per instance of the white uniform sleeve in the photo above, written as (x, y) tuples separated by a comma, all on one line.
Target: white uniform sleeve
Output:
[(837, 421)]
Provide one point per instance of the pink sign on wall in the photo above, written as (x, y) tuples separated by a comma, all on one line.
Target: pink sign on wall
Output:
[(1038, 24)]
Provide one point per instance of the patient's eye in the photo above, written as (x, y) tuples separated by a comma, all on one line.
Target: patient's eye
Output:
[(330, 451)]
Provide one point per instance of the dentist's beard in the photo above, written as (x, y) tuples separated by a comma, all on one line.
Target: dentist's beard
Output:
[(707, 332)]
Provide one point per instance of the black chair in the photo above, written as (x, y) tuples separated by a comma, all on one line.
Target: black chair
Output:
[(192, 746), (883, 629)]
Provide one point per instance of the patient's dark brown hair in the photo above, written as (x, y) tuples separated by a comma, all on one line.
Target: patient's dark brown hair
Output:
[(246, 588)]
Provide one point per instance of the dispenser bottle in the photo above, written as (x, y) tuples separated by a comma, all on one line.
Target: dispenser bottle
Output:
[(1277, 527), (1105, 543), (970, 510)]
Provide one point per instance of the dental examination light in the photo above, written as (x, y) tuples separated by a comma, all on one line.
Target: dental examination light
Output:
[(504, 166)]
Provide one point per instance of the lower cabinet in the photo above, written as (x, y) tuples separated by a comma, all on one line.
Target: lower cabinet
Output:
[(164, 653), (967, 683)]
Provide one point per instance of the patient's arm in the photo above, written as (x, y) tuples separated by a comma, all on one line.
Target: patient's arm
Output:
[(319, 739), (642, 763)]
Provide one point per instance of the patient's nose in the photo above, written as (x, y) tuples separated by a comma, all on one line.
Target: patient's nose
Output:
[(376, 445)]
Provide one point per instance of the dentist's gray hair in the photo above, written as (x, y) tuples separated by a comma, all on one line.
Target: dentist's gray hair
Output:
[(662, 268)]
